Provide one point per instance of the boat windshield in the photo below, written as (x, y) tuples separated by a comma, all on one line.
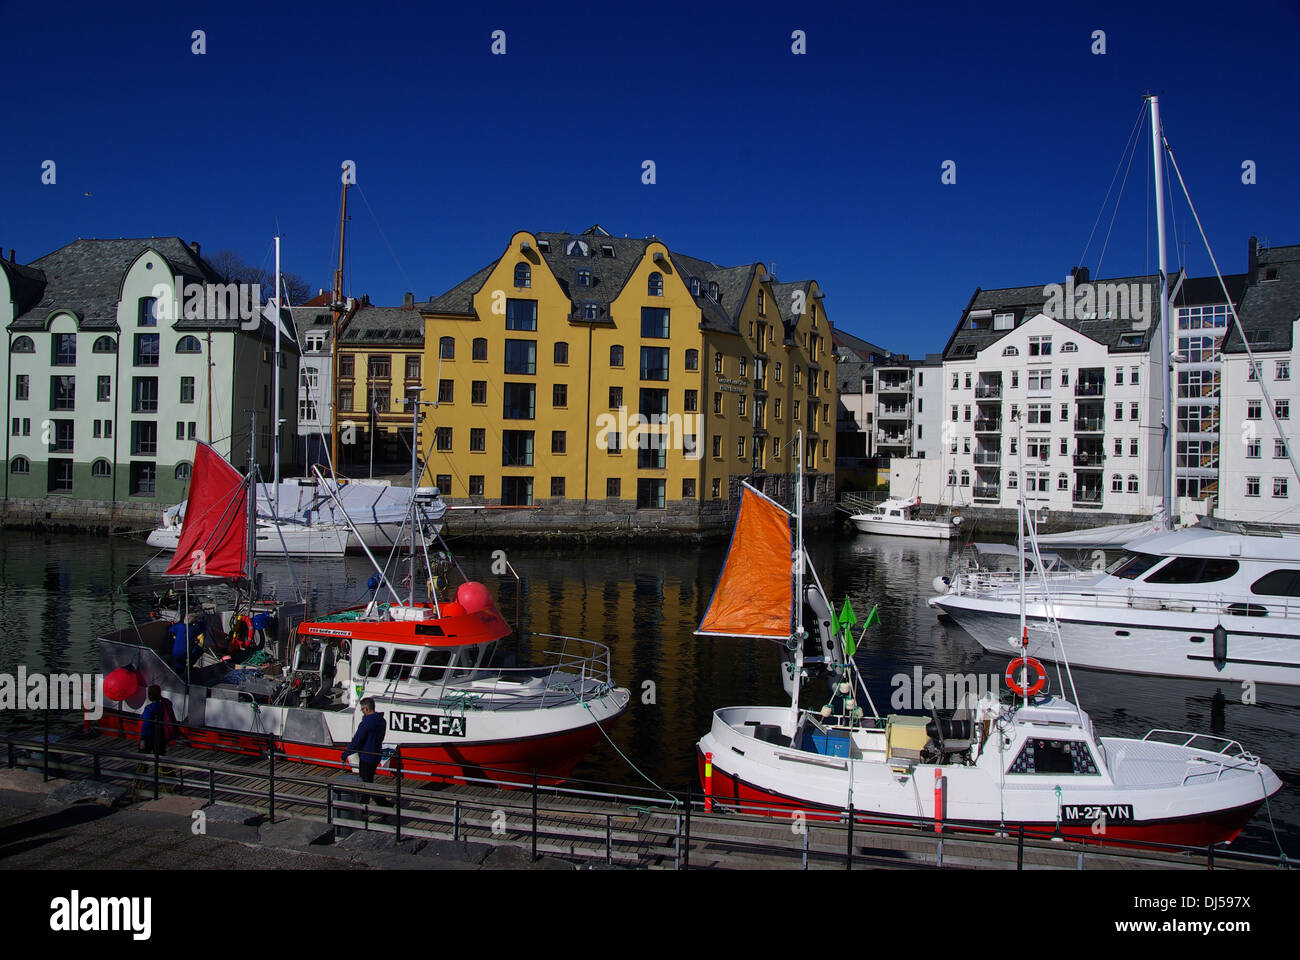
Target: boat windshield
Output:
[(1133, 565)]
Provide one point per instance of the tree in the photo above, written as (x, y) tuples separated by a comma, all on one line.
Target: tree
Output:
[(232, 268)]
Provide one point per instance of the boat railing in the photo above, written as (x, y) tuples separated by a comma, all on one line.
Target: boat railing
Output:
[(579, 669), (1200, 741), (992, 585)]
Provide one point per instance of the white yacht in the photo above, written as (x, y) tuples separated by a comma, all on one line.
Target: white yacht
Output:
[(900, 518), (1212, 601)]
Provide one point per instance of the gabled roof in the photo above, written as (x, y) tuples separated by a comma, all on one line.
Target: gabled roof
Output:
[(859, 348), (1269, 308), (85, 278), (26, 285), (1027, 302), (379, 327), (460, 298), (609, 273)]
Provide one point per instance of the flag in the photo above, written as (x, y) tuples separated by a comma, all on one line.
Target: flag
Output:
[(872, 617), (846, 621)]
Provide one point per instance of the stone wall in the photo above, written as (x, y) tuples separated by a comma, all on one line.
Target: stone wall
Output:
[(64, 513)]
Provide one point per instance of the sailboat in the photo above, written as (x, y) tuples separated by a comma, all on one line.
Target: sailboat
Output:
[(1031, 760), (427, 664), (1216, 601)]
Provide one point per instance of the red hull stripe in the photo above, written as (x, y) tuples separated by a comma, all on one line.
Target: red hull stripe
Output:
[(553, 757), (1220, 826)]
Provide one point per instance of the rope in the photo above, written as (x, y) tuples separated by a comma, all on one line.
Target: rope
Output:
[(639, 771), (1268, 808)]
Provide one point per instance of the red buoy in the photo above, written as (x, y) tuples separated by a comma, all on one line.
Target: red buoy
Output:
[(473, 596), (121, 683)]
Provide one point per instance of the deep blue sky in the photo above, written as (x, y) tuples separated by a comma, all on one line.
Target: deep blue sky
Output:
[(827, 164)]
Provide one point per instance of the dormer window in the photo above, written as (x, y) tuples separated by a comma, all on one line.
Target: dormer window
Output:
[(577, 248), (607, 250), (523, 275), (713, 291), (762, 305), (589, 310), (695, 287), (583, 278), (544, 246), (1004, 321), (655, 286)]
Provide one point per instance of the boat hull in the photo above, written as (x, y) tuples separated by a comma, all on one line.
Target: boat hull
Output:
[(1159, 642), (887, 527)]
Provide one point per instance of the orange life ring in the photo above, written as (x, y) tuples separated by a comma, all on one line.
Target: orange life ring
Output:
[(247, 641), (1031, 666)]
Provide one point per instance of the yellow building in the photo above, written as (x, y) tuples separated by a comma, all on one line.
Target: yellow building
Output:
[(599, 376), (381, 359)]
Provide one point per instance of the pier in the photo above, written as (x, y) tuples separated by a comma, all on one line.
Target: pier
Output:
[(579, 823)]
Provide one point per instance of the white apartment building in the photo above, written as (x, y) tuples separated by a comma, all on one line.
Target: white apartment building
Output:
[(1257, 480), (314, 323), (110, 379), (908, 407), (1060, 404)]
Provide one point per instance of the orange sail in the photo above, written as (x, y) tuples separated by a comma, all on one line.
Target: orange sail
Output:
[(755, 592), (214, 537)]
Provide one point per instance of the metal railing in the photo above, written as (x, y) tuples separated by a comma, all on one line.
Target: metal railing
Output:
[(987, 426), (1086, 388), (992, 391), (611, 822)]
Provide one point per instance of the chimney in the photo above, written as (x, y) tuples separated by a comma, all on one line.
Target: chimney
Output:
[(11, 254), (1252, 257), (408, 301), (1080, 274), (194, 245)]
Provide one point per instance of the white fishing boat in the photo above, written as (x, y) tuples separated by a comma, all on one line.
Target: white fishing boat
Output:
[(1021, 759), (901, 518)]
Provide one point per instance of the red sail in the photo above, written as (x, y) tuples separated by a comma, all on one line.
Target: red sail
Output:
[(755, 592), (214, 537)]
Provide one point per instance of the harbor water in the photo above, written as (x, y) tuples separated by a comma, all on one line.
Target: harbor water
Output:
[(59, 592)]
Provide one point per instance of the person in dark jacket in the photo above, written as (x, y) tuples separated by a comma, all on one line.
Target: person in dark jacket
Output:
[(367, 741), (157, 722)]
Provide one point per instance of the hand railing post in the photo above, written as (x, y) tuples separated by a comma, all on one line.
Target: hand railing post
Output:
[(270, 751), (153, 732), (1020, 847), (397, 768), (686, 852), (455, 821), (212, 785), (609, 839), (534, 814)]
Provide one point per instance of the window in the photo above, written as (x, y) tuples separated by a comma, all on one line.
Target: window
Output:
[(1253, 449), (1040, 380), (688, 488), (740, 366), (442, 437), (20, 466), (1004, 321), (654, 323), (1054, 757), (1119, 411), (740, 447), (650, 494), (1119, 447), (28, 345), (561, 354), (654, 363), (143, 479), (612, 486), (146, 349), (345, 398), (516, 448), (1040, 346), (654, 405), (965, 478), (1253, 371), (22, 387), (1133, 375), (480, 349), (614, 443), (60, 475), (520, 401), (616, 355), (180, 429), (1279, 487), (477, 439), (691, 401), (716, 488), (144, 394), (1012, 480), (1134, 411), (717, 447), (1116, 483), (1010, 352), (583, 278), (1283, 370), (1133, 446), (183, 470), (65, 349), (560, 395), (412, 368), (651, 454), (1015, 379), (557, 486), (1252, 486), (523, 275), (559, 441), (1040, 413), (1132, 483), (521, 315), (615, 397), (22, 427), (102, 345), (476, 485), (148, 312), (144, 438), (655, 285), (1254, 409), (189, 344), (1279, 583), (346, 363), (521, 357), (478, 391), (740, 404), (1279, 449), (187, 390), (446, 391), (1283, 409), (1195, 570)]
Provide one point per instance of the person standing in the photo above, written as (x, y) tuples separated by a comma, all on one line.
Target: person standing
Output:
[(157, 723), (368, 740)]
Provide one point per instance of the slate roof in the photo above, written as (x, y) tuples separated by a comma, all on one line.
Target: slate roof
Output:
[(860, 348), (85, 277), (460, 298), (377, 327), (850, 375), (1027, 302), (26, 285), (1269, 308)]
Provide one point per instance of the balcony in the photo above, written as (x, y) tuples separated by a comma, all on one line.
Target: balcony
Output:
[(1087, 496), (892, 439), (894, 413), (895, 386), (1090, 388), (988, 391), (1093, 461), (987, 492), (1089, 424), (988, 458), (988, 425)]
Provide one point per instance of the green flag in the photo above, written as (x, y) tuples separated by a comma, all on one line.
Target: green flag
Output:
[(872, 617), (846, 621)]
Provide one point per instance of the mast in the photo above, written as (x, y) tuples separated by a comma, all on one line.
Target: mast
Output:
[(414, 401), (1170, 450), (275, 390), (798, 559), (251, 505), (337, 302)]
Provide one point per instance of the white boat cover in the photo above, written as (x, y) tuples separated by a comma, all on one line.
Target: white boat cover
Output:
[(309, 501), (1111, 537)]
